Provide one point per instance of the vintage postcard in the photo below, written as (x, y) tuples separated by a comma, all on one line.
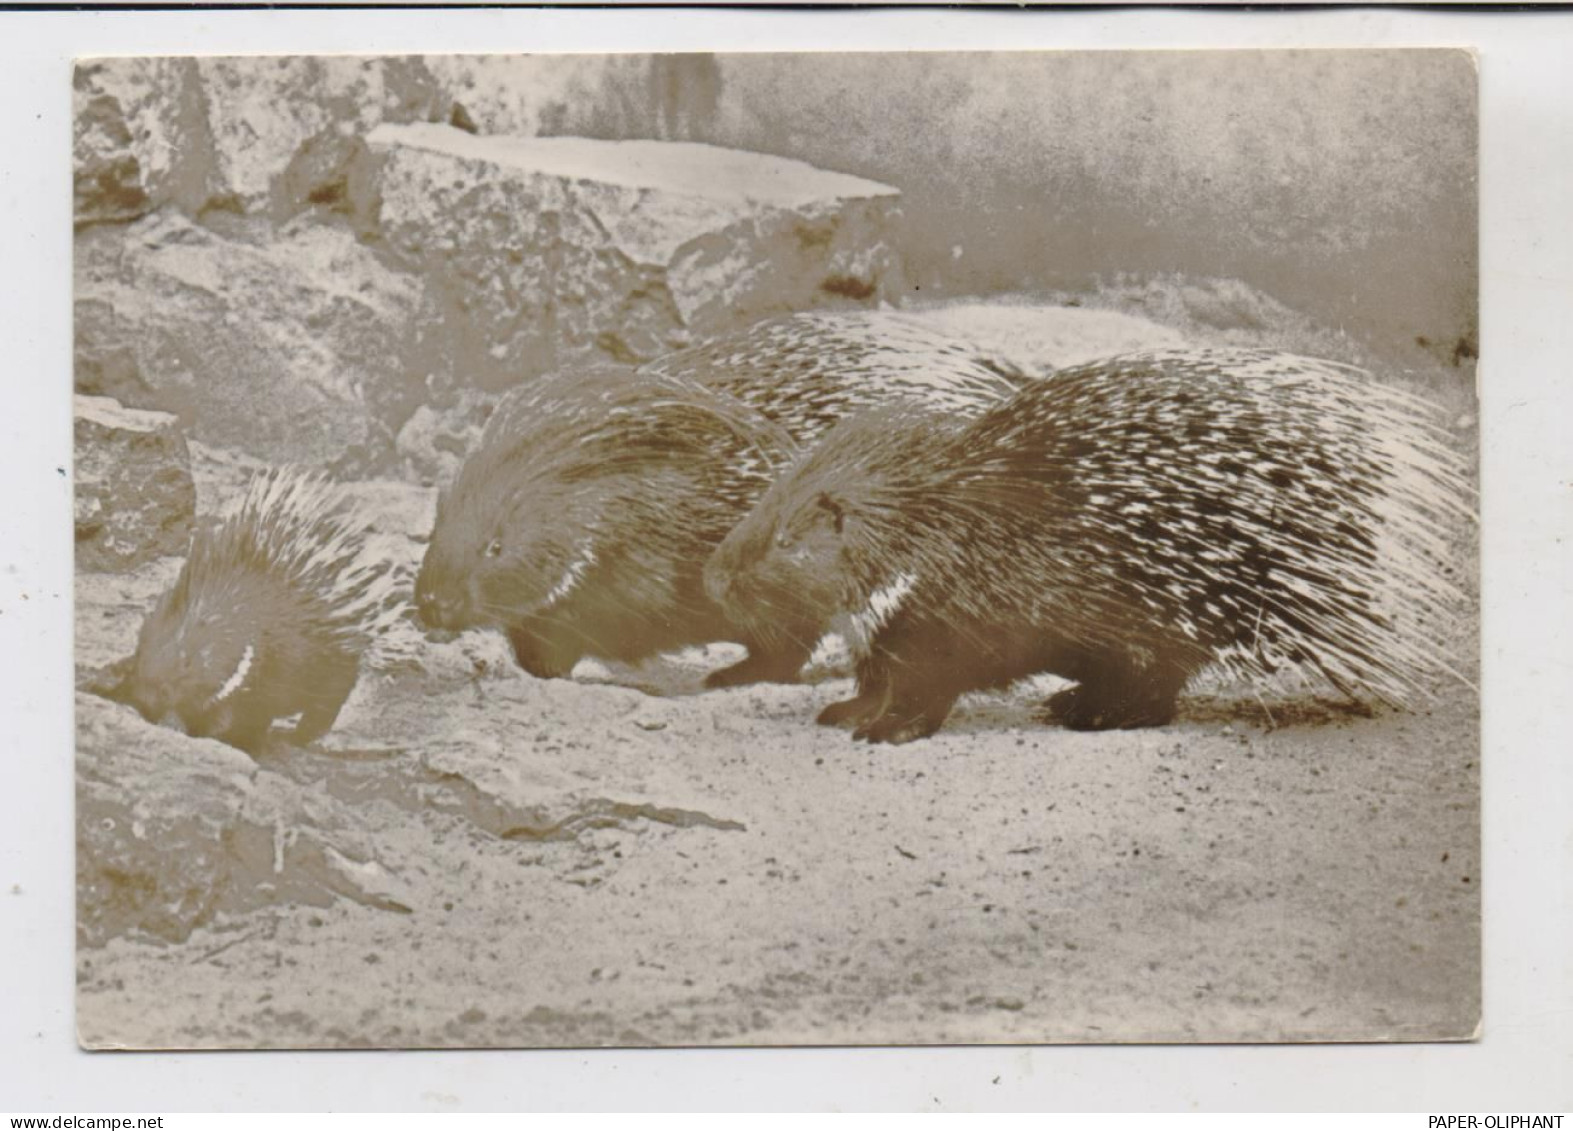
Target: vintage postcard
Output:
[(687, 550)]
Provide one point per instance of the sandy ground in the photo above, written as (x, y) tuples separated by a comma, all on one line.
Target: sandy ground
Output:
[(586, 862)]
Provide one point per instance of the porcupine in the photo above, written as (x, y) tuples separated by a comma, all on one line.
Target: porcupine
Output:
[(582, 523), (1121, 526), (268, 618)]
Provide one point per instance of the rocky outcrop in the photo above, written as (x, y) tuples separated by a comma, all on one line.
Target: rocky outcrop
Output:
[(436, 439), (138, 138), (220, 133), (173, 831), (134, 495), (274, 136), (554, 249), (322, 260), (300, 348)]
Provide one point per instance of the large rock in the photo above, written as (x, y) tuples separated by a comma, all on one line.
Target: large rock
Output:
[(262, 114), (303, 348), (275, 135), (139, 138), (173, 831), (549, 250), (435, 441), (219, 132), (134, 495)]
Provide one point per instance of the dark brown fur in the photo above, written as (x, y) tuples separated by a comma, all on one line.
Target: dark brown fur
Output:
[(1122, 525), (582, 524)]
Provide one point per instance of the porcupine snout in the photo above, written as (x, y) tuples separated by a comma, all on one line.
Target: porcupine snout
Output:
[(726, 573), (440, 611), (439, 602)]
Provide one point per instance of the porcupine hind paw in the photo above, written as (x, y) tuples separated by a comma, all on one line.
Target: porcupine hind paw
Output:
[(779, 665), (1084, 708)]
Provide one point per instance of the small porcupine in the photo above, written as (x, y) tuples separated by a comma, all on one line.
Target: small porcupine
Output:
[(1122, 526), (268, 618), (582, 523)]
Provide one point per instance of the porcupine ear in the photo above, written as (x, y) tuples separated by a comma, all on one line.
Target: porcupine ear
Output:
[(832, 506)]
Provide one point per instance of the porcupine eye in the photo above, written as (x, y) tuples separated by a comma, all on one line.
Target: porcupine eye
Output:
[(812, 532), (828, 504), (494, 548)]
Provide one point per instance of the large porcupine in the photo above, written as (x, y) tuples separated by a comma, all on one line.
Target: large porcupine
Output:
[(1122, 526), (269, 617), (582, 523)]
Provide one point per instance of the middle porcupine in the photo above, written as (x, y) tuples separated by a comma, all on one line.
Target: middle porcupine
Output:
[(582, 523), (1123, 526)]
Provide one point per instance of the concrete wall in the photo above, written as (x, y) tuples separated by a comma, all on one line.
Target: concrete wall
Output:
[(1342, 183)]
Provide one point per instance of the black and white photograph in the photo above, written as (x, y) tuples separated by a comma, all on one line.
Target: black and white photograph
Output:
[(777, 549)]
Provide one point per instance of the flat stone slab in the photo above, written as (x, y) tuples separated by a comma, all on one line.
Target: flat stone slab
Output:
[(679, 169), (553, 250)]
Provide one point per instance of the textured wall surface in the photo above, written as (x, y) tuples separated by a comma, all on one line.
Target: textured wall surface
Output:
[(1342, 183)]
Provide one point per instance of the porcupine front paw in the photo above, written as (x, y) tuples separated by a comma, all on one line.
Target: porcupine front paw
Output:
[(896, 729), (329, 684), (251, 733), (314, 723), (537, 658), (849, 712)]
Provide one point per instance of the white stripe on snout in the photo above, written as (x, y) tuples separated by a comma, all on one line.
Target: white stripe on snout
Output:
[(570, 579), (232, 684), (882, 605)]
